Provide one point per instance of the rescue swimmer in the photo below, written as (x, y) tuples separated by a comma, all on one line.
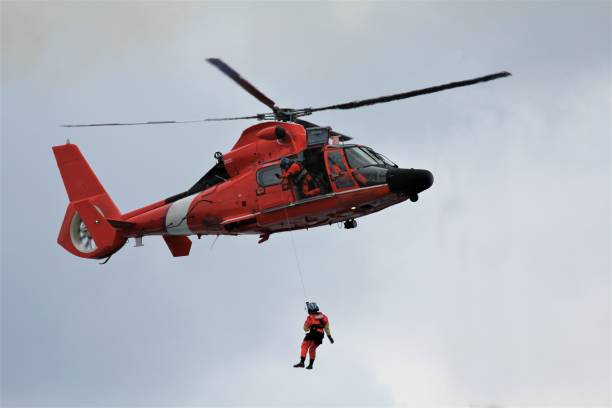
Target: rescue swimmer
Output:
[(315, 325), (306, 185)]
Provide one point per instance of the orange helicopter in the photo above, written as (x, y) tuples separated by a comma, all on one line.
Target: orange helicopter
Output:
[(323, 180)]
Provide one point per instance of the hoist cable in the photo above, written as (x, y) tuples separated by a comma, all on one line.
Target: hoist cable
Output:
[(297, 259)]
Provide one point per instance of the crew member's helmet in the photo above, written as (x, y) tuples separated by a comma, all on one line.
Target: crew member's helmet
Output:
[(312, 307), (285, 163)]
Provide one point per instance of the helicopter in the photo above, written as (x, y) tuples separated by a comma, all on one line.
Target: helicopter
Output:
[(245, 191)]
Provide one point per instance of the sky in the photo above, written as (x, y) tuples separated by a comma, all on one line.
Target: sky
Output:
[(493, 290)]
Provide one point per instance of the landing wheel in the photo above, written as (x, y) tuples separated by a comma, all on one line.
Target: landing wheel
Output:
[(414, 198), (350, 224)]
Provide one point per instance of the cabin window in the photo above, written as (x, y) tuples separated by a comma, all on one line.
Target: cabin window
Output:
[(269, 176)]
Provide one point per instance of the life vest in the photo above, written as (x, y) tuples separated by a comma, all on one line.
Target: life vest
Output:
[(302, 179), (307, 181), (317, 322)]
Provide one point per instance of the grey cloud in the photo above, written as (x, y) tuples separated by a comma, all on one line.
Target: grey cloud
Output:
[(493, 289)]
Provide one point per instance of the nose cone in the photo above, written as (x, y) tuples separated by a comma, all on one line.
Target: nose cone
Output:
[(409, 181)]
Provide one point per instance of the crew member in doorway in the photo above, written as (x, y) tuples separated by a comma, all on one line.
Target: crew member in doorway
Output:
[(306, 184), (316, 324)]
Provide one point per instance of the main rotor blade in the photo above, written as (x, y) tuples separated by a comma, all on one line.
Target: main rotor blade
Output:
[(160, 122), (246, 85), (410, 94), (234, 118)]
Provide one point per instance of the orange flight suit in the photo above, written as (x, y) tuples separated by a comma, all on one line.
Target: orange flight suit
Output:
[(302, 179), (315, 325)]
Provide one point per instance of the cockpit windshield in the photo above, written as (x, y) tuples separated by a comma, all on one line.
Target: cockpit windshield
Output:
[(367, 168), (363, 156), (381, 157), (359, 157)]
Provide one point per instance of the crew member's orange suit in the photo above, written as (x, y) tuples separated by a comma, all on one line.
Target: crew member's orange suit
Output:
[(302, 179), (315, 324), (338, 172)]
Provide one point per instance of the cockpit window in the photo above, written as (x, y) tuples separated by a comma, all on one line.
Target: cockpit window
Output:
[(381, 157), (370, 176), (336, 163), (337, 170), (373, 154), (358, 157)]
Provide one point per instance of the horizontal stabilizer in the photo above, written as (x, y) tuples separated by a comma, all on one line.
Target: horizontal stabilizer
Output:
[(120, 224), (179, 245)]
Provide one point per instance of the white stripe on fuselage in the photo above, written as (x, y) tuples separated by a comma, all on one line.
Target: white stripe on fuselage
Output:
[(176, 217)]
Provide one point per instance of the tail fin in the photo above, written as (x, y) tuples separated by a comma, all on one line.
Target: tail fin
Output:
[(85, 231)]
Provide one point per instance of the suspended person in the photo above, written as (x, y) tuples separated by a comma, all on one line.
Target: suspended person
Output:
[(316, 323), (306, 184)]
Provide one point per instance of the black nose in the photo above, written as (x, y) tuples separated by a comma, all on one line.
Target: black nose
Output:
[(409, 181)]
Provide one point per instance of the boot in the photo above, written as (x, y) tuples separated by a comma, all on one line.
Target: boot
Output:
[(301, 363), (309, 367)]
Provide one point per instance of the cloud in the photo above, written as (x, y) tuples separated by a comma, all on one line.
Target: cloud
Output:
[(494, 288)]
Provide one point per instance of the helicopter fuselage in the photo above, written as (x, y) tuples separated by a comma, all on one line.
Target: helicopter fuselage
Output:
[(245, 193)]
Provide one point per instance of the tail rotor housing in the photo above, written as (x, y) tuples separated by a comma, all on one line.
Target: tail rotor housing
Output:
[(85, 231)]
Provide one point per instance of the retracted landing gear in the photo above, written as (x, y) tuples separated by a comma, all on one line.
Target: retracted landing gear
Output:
[(350, 224), (414, 197)]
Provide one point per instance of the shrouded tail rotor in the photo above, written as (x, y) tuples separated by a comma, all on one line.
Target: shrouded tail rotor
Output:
[(80, 235)]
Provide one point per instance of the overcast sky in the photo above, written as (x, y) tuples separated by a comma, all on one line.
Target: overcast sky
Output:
[(492, 290)]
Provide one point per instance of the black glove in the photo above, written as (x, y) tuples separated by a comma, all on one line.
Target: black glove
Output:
[(331, 340)]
